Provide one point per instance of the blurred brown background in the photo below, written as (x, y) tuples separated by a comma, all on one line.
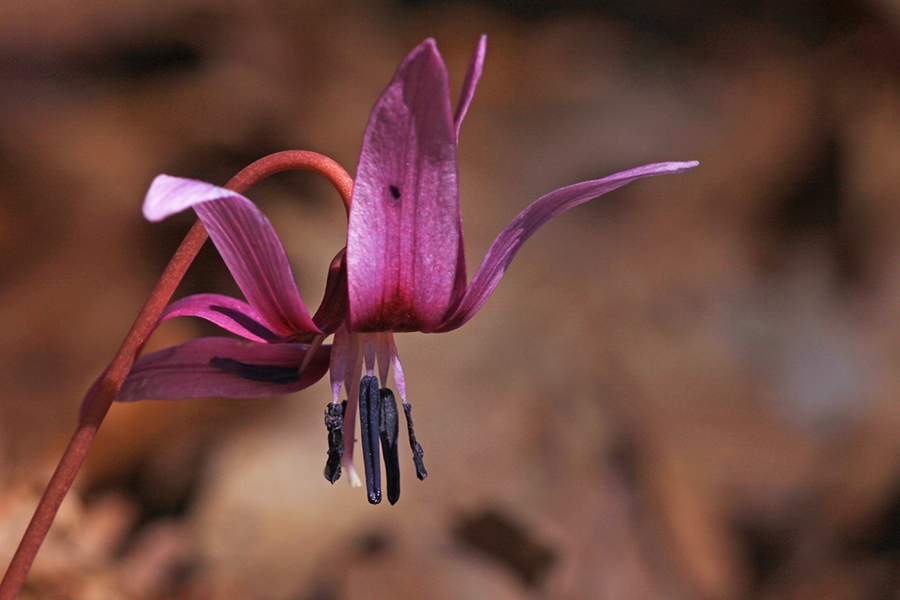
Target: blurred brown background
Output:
[(687, 389)]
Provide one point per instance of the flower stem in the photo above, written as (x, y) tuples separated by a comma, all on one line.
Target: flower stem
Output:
[(104, 392)]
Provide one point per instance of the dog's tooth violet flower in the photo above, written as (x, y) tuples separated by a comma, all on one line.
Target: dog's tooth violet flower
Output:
[(404, 269)]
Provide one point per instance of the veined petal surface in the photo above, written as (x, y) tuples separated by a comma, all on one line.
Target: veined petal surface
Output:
[(403, 237), (230, 314), (186, 371), (247, 242)]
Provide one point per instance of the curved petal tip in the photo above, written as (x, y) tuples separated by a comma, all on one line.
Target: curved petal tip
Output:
[(665, 167), (170, 195), (681, 167)]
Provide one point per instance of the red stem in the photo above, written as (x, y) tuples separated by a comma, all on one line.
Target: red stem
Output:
[(105, 391)]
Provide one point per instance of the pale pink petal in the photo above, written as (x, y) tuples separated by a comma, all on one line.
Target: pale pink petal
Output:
[(403, 237), (473, 74), (231, 314), (507, 244), (247, 243), (189, 371)]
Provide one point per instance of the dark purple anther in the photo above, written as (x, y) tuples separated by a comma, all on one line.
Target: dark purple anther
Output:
[(370, 431), (334, 421), (390, 429), (416, 447)]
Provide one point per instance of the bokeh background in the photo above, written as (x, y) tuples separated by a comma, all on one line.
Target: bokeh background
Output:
[(689, 388)]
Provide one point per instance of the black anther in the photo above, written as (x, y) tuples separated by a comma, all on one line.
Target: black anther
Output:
[(334, 421), (390, 429), (417, 451), (370, 431)]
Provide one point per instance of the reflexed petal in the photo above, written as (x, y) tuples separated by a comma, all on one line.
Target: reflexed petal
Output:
[(507, 244), (247, 243), (403, 238), (231, 314), (169, 195), (473, 74), (186, 371)]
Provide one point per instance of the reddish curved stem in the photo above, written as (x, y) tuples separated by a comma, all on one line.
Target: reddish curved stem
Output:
[(105, 391)]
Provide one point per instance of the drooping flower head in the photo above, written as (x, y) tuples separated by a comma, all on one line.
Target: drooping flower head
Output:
[(403, 270)]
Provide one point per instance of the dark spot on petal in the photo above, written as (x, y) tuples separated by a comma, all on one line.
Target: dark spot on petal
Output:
[(277, 374), (395, 191)]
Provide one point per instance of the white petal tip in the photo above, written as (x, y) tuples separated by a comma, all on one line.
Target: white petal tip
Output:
[(161, 187), (169, 195), (664, 168)]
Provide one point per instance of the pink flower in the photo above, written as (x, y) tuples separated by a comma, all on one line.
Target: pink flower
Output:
[(404, 270)]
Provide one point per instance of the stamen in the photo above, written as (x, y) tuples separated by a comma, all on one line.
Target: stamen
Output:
[(417, 451), (347, 460), (368, 341), (383, 355), (277, 374), (370, 431), (334, 422), (350, 410), (396, 366), (344, 371), (390, 429)]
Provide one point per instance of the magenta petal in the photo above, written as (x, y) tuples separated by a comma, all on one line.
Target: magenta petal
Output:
[(403, 237), (247, 243), (507, 244), (332, 312), (187, 371), (231, 314), (473, 74)]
